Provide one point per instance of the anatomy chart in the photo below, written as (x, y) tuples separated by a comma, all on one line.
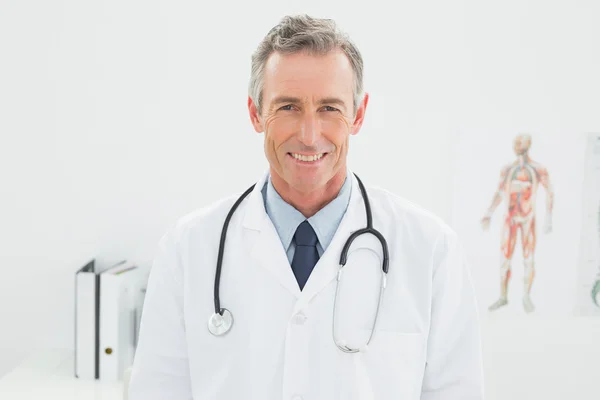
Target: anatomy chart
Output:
[(513, 209), (588, 282)]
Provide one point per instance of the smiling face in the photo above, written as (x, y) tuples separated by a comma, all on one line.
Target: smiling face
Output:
[(307, 117)]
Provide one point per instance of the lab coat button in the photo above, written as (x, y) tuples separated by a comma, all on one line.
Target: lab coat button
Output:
[(299, 319)]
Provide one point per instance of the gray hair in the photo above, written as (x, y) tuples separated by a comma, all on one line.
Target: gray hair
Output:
[(302, 33)]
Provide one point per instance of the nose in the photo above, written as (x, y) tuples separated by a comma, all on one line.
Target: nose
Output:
[(309, 129)]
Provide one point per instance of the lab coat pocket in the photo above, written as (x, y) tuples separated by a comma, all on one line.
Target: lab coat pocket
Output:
[(391, 367)]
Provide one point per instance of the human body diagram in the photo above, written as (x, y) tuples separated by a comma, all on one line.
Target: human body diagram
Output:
[(518, 185)]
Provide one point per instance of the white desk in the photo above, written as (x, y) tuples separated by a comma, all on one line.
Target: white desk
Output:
[(49, 375)]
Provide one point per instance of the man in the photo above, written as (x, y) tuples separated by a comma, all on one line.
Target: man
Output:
[(281, 262), (519, 184)]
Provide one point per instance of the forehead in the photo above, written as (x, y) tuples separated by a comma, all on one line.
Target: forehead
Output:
[(308, 76)]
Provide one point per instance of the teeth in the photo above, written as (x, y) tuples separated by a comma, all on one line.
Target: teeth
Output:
[(301, 157)]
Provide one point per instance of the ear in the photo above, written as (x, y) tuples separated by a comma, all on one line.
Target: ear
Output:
[(255, 116), (360, 115)]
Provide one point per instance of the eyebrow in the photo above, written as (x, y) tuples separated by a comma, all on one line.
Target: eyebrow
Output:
[(327, 100)]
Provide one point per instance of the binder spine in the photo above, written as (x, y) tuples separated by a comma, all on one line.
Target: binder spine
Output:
[(97, 344), (85, 324)]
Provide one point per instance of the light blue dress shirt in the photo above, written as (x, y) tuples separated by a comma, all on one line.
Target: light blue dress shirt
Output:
[(286, 218)]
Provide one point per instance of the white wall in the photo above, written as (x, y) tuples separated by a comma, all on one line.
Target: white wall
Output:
[(117, 117)]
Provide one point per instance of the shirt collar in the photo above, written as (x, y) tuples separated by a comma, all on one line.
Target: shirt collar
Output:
[(286, 218)]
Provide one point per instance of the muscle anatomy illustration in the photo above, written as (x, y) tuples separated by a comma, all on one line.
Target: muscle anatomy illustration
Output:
[(518, 186)]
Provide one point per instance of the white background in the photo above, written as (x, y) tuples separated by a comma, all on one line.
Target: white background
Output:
[(117, 117)]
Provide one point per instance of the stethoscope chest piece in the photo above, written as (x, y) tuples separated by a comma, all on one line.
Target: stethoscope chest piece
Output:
[(219, 324)]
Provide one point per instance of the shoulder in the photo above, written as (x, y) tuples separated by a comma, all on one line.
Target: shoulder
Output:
[(423, 237), (413, 220), (201, 219), (507, 167), (539, 168)]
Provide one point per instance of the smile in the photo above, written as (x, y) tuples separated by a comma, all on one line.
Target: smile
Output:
[(307, 157)]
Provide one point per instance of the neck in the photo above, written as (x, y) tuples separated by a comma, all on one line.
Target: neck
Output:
[(309, 203), (523, 158)]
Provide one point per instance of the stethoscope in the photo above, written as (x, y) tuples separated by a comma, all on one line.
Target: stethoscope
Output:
[(221, 321)]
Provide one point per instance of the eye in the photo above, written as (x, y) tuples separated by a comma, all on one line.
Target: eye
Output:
[(329, 108), (287, 107)]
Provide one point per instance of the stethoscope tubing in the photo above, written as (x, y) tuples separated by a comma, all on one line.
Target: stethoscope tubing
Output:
[(222, 319)]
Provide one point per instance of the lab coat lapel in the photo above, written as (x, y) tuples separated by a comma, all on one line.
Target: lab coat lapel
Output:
[(264, 242), (327, 268), (266, 249)]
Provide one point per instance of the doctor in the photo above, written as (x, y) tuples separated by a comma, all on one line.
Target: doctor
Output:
[(278, 320)]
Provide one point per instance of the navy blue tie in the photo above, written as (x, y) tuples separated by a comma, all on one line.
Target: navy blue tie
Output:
[(305, 255)]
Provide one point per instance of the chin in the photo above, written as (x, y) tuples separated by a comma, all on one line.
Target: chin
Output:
[(307, 182)]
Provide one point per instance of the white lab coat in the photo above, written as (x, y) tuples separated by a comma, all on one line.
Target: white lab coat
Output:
[(426, 344)]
